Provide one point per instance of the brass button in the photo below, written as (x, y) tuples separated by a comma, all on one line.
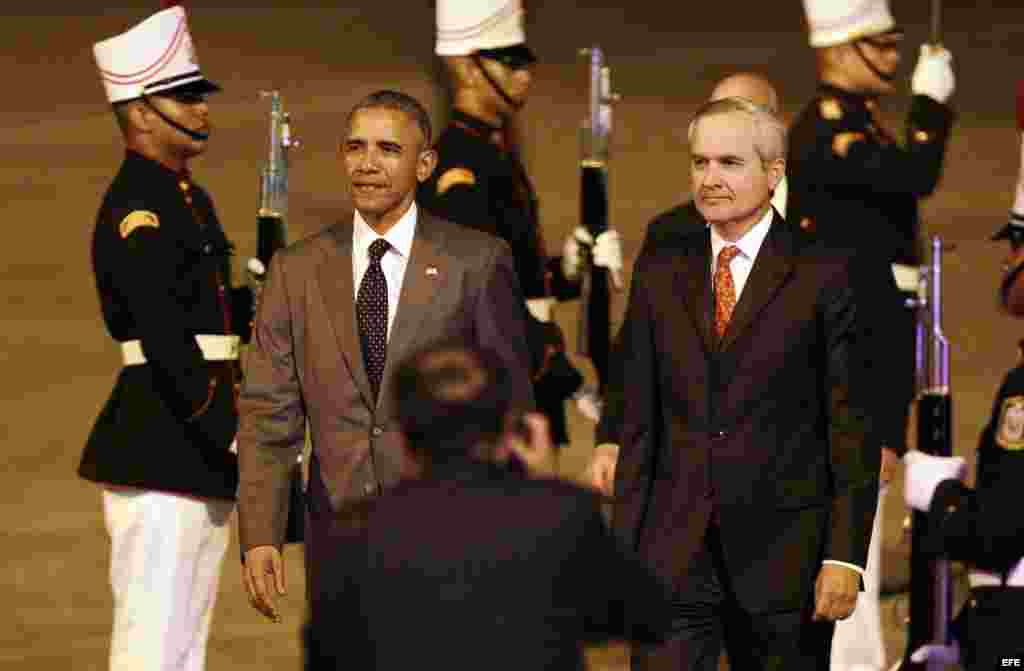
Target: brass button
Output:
[(377, 431), (922, 136), (369, 488)]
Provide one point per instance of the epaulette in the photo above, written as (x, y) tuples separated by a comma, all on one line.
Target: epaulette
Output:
[(136, 219), (454, 176)]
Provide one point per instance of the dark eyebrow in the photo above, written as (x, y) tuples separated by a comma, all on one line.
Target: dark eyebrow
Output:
[(388, 144)]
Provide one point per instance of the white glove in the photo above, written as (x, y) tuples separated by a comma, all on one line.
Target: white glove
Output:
[(924, 473), (608, 251), (933, 74), (571, 251)]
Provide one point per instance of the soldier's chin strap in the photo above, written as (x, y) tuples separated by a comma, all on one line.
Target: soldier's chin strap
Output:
[(871, 66), (495, 85), (195, 135)]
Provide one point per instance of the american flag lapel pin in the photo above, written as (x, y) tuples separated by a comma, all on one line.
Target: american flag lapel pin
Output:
[(431, 271)]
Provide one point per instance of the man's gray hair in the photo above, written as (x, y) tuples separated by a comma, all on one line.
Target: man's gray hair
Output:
[(769, 130)]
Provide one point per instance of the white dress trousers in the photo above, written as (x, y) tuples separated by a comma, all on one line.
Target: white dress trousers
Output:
[(857, 642), (165, 559)]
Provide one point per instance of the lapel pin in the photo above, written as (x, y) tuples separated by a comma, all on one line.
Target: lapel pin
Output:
[(431, 271)]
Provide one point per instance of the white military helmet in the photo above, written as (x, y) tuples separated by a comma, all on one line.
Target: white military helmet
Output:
[(832, 22), (484, 27), (154, 57)]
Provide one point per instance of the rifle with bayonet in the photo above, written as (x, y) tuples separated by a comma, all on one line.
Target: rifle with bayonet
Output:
[(271, 236), (595, 318)]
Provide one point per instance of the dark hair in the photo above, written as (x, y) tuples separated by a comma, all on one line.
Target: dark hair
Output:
[(395, 100), (452, 400)]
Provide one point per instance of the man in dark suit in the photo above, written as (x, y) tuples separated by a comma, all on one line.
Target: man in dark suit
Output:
[(744, 474), (470, 565), (338, 310), (683, 219)]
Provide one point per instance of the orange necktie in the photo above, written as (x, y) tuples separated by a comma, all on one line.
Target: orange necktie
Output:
[(725, 289)]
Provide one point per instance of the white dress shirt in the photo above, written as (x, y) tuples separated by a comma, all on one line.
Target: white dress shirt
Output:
[(393, 263), (749, 244), (781, 196), (741, 265)]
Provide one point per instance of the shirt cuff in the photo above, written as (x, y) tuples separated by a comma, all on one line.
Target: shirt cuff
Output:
[(856, 568)]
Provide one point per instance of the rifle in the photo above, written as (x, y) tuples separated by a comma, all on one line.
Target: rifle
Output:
[(271, 231), (272, 235), (929, 643), (595, 321)]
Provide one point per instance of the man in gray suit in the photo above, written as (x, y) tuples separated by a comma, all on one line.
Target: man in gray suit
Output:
[(337, 311)]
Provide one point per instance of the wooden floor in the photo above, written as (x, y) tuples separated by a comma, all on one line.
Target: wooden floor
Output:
[(60, 149)]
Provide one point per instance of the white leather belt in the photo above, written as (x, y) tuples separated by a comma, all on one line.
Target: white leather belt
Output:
[(1015, 577), (907, 277), (214, 347)]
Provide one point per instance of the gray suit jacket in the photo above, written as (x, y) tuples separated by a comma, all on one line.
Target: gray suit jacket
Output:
[(305, 361)]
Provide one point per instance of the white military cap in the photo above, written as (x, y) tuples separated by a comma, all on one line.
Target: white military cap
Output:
[(832, 22), (465, 27), (155, 56)]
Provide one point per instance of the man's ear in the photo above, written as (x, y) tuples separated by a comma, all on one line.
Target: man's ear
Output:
[(426, 164), (777, 169)]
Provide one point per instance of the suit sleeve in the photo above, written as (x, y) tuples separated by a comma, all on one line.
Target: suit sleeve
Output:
[(272, 418), (854, 458), (983, 525), (499, 321), (915, 168), (636, 356)]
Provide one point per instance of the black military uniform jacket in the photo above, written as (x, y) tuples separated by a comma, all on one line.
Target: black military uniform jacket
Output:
[(479, 184), (162, 271), (856, 187), (852, 183), (985, 525)]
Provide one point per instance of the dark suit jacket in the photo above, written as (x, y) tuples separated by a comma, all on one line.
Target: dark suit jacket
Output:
[(475, 568), (668, 228), (769, 426), (306, 361)]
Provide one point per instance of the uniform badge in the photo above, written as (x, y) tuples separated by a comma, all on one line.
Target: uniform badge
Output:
[(136, 219), (830, 109), (454, 176), (1010, 432), (841, 143)]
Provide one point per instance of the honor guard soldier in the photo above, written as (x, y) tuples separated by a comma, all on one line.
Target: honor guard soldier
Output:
[(161, 447), (983, 526), (856, 186), (480, 180)]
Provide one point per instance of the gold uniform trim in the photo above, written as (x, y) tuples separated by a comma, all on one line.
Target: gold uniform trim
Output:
[(830, 109), (454, 176), (1010, 431), (841, 143), (136, 219)]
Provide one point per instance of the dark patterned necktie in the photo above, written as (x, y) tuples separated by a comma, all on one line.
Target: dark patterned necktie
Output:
[(372, 315)]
